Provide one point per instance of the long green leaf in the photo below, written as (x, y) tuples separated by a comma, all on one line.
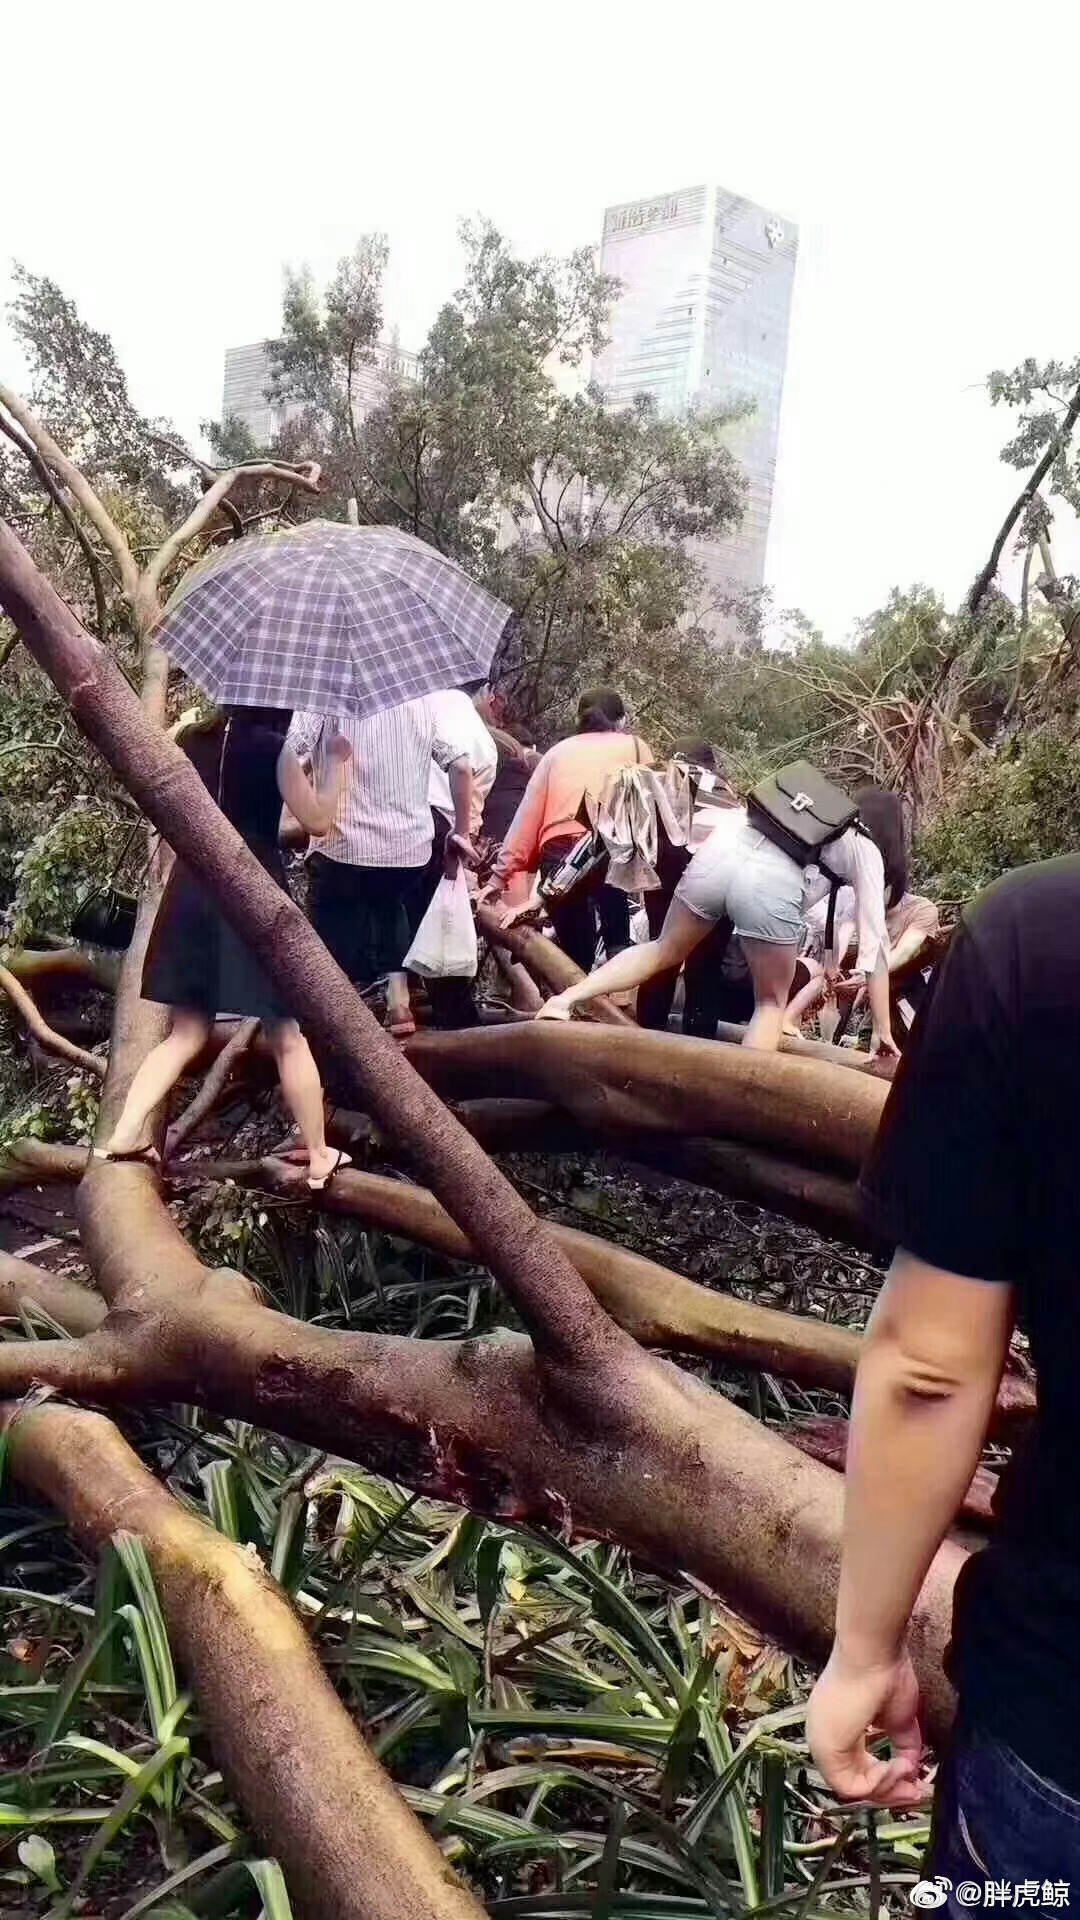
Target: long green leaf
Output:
[(151, 1902), (270, 1881), (136, 1791), (75, 1681), (610, 1600)]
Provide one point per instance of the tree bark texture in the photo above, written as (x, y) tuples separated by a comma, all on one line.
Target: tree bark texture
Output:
[(315, 1795), (632, 1081)]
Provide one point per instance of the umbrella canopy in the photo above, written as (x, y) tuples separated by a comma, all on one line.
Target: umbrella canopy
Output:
[(330, 619)]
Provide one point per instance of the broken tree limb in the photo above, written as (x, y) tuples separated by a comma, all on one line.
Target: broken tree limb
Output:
[(660, 1308), (549, 966), (22, 1285), (633, 1081), (315, 1795), (83, 965), (36, 1024)]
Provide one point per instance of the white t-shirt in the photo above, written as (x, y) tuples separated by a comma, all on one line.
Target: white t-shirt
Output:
[(856, 860), (457, 722)]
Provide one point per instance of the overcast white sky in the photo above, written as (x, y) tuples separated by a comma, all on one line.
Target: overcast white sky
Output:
[(162, 163)]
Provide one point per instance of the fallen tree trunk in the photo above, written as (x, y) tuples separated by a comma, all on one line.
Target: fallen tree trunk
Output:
[(633, 1081), (578, 1426), (549, 966), (660, 1308), (48, 965), (802, 1048), (317, 1798), (22, 1286)]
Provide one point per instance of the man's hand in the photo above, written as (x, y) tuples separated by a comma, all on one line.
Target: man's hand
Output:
[(848, 1700), (339, 749), (526, 911), (457, 850), (490, 893)]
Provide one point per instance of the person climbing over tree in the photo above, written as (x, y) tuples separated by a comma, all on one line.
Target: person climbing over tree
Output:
[(743, 876), (549, 823), (706, 989), (973, 1180), (198, 966)]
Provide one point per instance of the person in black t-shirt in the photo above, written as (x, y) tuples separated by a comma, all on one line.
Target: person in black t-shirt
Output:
[(975, 1178)]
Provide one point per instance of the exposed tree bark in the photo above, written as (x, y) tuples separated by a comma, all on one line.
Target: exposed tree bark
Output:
[(315, 1795), (73, 1306), (85, 965), (35, 1023), (639, 1082), (848, 1057)]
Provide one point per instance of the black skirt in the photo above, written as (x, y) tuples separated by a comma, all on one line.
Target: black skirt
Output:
[(194, 959)]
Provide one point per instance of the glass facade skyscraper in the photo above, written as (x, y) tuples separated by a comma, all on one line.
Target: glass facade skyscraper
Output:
[(702, 319)]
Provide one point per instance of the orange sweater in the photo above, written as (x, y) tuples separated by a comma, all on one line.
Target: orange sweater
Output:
[(551, 802)]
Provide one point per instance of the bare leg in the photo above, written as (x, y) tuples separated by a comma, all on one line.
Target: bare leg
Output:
[(399, 1015), (157, 1076), (302, 1092), (772, 968), (681, 933), (806, 999)]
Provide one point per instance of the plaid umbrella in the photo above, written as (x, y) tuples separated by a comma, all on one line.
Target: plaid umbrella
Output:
[(330, 619)]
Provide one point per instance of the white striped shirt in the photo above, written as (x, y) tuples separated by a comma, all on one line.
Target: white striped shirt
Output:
[(384, 817), (458, 722)]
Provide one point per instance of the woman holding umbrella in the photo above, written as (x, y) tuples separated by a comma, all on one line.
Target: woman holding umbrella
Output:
[(320, 618), (198, 966)]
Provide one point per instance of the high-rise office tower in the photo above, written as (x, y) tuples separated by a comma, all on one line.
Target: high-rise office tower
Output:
[(702, 318), (247, 379)]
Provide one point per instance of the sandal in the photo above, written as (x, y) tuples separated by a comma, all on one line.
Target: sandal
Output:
[(400, 1026), (320, 1186), (135, 1156)]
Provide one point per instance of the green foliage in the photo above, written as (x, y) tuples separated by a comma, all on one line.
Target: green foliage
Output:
[(1018, 805), (579, 517), (1042, 391)]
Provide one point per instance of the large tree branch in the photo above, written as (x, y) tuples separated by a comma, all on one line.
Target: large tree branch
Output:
[(35, 1023), (306, 475), (314, 1793), (40, 467), (78, 486)]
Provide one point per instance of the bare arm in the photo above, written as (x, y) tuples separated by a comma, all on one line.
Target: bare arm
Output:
[(459, 843), (931, 1363), (877, 992), (315, 807), (908, 945)]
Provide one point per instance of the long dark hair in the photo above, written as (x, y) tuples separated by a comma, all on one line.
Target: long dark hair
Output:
[(600, 710), (882, 814)]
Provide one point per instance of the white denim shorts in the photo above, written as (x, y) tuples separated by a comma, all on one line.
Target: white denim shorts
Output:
[(745, 877)]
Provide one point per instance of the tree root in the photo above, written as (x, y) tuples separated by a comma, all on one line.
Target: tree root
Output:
[(314, 1793)]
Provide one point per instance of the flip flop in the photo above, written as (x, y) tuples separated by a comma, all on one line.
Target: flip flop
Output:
[(136, 1156), (343, 1160)]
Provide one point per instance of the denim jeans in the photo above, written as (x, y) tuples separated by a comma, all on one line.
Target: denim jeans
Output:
[(997, 1823)]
